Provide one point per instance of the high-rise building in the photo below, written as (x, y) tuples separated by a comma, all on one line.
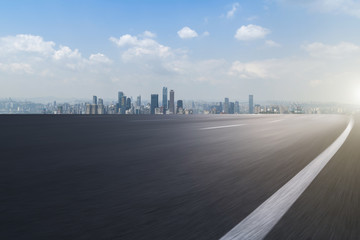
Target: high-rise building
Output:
[(128, 103), (226, 106), (91, 108), (232, 108), (237, 107), (122, 104), (251, 104), (120, 95), (95, 100), (118, 105), (165, 98), (138, 101), (179, 106), (101, 101), (154, 103), (100, 106), (172, 102)]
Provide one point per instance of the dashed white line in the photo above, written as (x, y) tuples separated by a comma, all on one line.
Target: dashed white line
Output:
[(226, 126), (259, 223)]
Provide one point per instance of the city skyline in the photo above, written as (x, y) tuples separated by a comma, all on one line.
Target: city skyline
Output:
[(209, 48)]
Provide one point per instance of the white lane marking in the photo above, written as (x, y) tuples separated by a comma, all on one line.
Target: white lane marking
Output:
[(226, 126), (280, 120), (259, 223)]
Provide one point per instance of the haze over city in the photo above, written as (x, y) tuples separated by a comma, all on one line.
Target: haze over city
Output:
[(206, 50), (179, 120)]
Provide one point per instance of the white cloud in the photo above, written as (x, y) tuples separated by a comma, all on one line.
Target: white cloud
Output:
[(341, 50), (250, 70), (141, 47), (187, 32), (251, 32), (26, 43), (66, 52), (124, 40), (231, 13), (271, 43), (348, 7), (99, 58), (32, 55), (149, 34), (16, 68)]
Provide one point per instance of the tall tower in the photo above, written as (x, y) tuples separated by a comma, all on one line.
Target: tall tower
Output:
[(165, 98), (154, 103), (120, 95), (172, 102), (122, 105), (138, 101), (128, 103), (95, 100), (237, 107), (226, 106), (251, 104)]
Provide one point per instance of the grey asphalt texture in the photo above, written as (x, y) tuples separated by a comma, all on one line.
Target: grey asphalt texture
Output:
[(165, 177)]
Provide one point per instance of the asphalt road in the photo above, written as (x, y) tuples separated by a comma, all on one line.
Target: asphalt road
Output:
[(172, 177)]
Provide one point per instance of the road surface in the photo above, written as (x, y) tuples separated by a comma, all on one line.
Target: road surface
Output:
[(173, 177)]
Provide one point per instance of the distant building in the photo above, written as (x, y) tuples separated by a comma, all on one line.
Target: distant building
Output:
[(60, 110), (138, 101), (158, 110), (122, 105), (251, 104), (172, 102), (154, 103), (257, 109), (91, 109), (120, 95), (100, 106), (165, 98), (237, 108), (179, 107), (95, 100), (226, 106), (232, 108), (128, 103)]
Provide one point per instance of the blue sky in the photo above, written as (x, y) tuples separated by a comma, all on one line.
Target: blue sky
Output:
[(274, 49)]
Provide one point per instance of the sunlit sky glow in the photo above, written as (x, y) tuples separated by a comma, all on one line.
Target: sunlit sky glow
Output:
[(206, 49)]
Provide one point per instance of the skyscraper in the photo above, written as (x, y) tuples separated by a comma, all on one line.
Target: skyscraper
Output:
[(232, 108), (179, 106), (95, 100), (120, 95), (154, 103), (226, 106), (237, 107), (172, 102), (122, 104), (138, 101), (128, 103), (165, 98), (101, 108), (251, 104)]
